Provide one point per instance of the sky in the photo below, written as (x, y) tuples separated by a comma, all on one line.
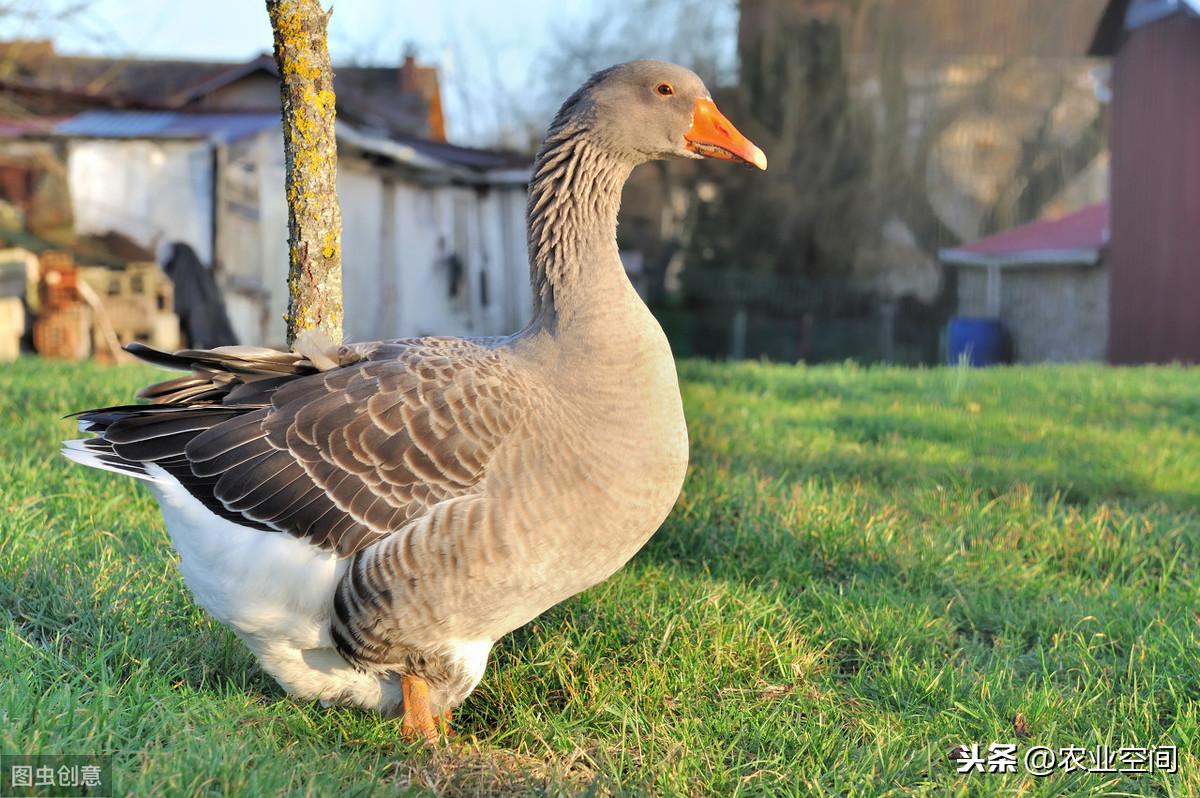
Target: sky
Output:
[(488, 52)]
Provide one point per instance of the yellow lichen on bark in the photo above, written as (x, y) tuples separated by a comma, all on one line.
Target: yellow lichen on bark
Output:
[(310, 151)]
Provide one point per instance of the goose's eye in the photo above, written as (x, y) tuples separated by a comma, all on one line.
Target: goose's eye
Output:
[(665, 89)]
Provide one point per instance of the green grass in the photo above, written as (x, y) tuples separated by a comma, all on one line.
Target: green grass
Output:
[(867, 568)]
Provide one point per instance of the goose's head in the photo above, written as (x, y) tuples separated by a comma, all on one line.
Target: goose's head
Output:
[(648, 110)]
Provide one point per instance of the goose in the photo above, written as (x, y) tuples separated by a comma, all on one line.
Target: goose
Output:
[(371, 518)]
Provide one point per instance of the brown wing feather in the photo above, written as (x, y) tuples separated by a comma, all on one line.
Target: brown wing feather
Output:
[(340, 457)]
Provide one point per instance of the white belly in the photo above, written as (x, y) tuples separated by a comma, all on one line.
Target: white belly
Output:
[(276, 593)]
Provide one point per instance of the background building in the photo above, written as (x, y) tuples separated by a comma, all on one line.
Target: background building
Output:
[(167, 152), (1154, 255), (1047, 281)]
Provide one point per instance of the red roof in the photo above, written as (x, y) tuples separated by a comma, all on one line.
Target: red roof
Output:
[(1072, 239)]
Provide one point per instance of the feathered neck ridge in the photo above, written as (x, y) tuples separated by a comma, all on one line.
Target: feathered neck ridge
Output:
[(573, 202)]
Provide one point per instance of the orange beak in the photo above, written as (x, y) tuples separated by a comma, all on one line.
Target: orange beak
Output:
[(712, 135)]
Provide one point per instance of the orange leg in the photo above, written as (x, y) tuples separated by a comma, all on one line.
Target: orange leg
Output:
[(418, 720), (444, 724)]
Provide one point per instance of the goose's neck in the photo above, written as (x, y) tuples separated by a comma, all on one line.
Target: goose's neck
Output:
[(573, 203)]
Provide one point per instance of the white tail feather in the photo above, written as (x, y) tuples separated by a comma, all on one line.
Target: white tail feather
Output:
[(77, 451)]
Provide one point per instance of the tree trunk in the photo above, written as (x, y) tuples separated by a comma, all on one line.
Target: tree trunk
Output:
[(310, 151)]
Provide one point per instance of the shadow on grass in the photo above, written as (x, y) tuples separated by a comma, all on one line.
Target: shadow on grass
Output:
[(901, 451), (1086, 433), (997, 620)]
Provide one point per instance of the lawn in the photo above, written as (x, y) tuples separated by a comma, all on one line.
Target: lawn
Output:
[(868, 568)]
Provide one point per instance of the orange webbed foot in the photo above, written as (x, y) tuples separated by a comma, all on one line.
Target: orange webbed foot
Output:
[(418, 721)]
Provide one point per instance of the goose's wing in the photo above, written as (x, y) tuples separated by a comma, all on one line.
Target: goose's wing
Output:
[(340, 457)]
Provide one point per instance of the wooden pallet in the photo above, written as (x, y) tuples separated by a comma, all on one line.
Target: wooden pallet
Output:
[(138, 302), (142, 284), (161, 332)]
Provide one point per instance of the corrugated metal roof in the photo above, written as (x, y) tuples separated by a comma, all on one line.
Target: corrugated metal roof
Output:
[(463, 163), (164, 125), (1076, 238), (1123, 16), (1143, 12), (468, 157), (472, 165)]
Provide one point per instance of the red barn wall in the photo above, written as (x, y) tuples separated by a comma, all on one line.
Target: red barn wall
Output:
[(1154, 251)]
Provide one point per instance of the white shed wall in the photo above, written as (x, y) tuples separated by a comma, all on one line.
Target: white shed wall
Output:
[(151, 191), (398, 239), (398, 235), (252, 238), (361, 194)]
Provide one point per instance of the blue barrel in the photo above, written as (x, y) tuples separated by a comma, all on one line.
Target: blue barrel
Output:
[(980, 342)]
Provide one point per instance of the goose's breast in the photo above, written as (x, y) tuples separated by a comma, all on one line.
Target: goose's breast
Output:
[(616, 480)]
